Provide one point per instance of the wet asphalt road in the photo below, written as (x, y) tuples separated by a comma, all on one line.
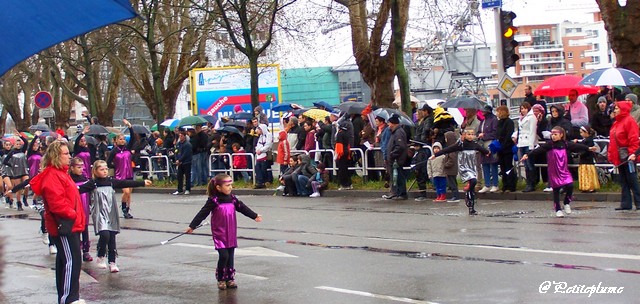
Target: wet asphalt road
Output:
[(351, 250)]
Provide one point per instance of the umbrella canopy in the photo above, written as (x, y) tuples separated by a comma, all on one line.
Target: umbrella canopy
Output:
[(237, 124), (154, 127), (352, 107), (316, 114), (30, 26), (464, 102), (324, 105), (557, 86), (138, 129), (281, 107), (229, 129), (39, 127), (192, 120), (387, 112), (90, 140), (612, 76), (170, 123), (97, 130), (209, 118), (27, 135), (241, 116)]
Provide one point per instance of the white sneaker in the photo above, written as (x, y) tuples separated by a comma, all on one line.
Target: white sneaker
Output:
[(494, 189), (280, 188), (53, 249), (177, 193), (559, 213), (113, 267), (567, 209), (315, 194), (45, 238), (187, 192), (548, 189), (101, 262), (484, 189)]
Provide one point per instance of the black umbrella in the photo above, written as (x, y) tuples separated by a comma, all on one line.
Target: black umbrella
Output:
[(241, 116), (464, 102), (139, 129), (97, 130), (352, 107), (90, 140), (229, 129), (39, 127), (237, 124)]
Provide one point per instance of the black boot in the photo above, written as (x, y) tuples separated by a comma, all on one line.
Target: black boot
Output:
[(19, 203), (24, 201), (125, 211), (530, 182)]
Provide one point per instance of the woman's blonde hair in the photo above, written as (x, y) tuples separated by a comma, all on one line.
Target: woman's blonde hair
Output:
[(96, 165), (52, 155), (503, 112)]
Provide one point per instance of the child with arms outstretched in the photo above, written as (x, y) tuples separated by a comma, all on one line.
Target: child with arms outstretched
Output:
[(222, 205)]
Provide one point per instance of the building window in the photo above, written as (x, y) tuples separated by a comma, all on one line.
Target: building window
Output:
[(568, 30), (596, 47), (570, 66), (596, 60), (570, 55)]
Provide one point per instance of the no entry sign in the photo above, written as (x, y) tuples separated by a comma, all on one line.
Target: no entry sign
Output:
[(43, 99)]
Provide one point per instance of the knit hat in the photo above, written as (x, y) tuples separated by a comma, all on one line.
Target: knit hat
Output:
[(538, 107), (237, 108), (394, 119), (426, 107), (437, 145), (632, 97), (602, 99)]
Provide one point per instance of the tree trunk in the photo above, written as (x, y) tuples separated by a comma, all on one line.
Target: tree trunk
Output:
[(621, 23), (399, 19)]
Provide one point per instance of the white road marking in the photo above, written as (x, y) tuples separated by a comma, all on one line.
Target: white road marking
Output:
[(373, 295), (522, 249), (248, 251)]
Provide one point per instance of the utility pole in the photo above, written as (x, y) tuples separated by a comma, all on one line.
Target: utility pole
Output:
[(499, 47)]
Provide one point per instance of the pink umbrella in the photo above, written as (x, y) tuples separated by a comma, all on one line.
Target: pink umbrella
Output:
[(557, 86)]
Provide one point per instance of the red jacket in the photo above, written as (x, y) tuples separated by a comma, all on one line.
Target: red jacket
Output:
[(284, 150), (624, 133), (61, 198), (240, 161)]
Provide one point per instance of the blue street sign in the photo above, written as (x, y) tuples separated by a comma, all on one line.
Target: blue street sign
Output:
[(491, 3), (43, 100)]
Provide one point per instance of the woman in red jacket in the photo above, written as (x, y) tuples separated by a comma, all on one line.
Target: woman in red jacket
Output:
[(623, 144), (62, 206)]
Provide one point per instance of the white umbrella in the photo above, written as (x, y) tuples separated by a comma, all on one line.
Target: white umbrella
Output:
[(613, 77)]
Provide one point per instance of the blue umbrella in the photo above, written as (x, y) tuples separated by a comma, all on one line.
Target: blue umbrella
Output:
[(30, 26), (209, 118), (613, 77), (281, 107), (322, 103)]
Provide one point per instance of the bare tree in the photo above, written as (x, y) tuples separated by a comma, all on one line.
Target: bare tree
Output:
[(165, 44), (621, 23), (375, 57), (23, 81), (250, 25)]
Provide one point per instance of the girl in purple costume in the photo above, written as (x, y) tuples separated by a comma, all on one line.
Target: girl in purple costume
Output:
[(120, 159), (76, 171), (222, 205), (33, 159), (82, 151), (558, 159)]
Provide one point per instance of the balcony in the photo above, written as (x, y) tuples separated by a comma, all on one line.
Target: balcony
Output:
[(534, 61), (543, 48), (543, 72)]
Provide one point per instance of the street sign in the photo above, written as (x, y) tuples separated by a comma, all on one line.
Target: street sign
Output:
[(507, 85), (47, 113), (43, 99), (491, 3)]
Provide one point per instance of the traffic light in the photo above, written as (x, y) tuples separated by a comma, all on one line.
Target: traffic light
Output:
[(509, 44)]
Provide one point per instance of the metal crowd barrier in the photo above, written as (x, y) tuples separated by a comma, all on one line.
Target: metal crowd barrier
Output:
[(225, 170), (150, 169), (250, 170)]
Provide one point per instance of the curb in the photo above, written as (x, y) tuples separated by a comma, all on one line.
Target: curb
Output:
[(374, 194)]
